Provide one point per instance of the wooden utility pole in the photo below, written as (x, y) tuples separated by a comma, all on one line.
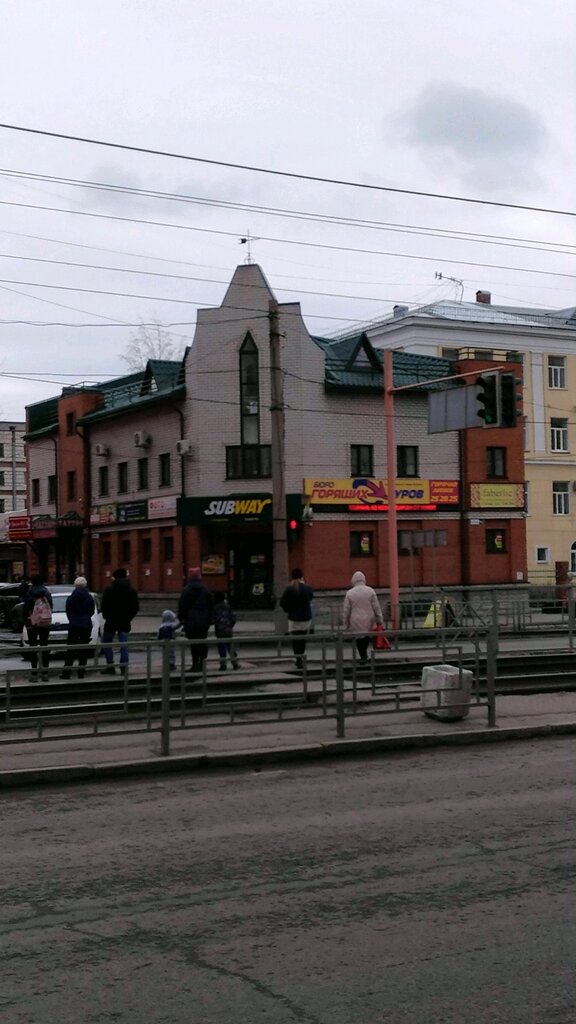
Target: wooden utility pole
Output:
[(279, 536)]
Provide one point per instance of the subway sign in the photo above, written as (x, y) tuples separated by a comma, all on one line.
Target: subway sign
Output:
[(233, 509)]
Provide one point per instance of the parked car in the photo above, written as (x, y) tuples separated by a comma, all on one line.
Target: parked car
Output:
[(10, 599), (59, 627)]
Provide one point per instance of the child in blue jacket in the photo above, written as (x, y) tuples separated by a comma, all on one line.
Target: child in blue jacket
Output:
[(224, 622)]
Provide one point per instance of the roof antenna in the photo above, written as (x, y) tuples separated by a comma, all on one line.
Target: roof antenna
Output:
[(455, 280), (247, 241)]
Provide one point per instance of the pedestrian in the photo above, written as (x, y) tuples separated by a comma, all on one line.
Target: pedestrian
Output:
[(120, 605), (297, 603), (224, 622), (196, 613), (38, 619), (362, 612), (169, 628), (80, 607)]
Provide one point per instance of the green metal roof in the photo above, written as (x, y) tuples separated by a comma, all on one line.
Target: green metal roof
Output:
[(352, 364)]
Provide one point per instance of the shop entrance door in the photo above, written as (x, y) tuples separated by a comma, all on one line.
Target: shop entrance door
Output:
[(250, 578)]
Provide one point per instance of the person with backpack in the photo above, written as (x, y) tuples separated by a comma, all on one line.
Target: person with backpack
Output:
[(80, 607), (297, 603), (120, 604), (38, 620), (224, 622)]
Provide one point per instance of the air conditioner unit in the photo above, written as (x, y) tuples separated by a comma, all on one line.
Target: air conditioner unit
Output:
[(142, 439), (101, 449), (184, 447)]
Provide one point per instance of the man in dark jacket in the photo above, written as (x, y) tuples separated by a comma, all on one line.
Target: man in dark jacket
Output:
[(37, 635), (296, 601), (119, 606), (196, 613), (80, 608)]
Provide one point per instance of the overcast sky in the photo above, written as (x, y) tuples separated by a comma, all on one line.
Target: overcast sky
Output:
[(449, 96)]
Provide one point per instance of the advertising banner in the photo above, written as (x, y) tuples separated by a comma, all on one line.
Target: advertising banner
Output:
[(233, 509), (497, 496), (370, 491), (162, 508)]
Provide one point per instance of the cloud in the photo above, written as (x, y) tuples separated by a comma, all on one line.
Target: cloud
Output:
[(487, 140)]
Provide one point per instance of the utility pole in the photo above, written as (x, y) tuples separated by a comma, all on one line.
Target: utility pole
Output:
[(279, 537), (391, 485), (14, 483)]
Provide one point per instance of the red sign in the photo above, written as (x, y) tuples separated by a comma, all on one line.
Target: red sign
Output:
[(19, 528)]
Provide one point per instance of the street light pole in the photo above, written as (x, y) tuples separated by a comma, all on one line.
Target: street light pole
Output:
[(14, 486), (279, 537), (391, 486)]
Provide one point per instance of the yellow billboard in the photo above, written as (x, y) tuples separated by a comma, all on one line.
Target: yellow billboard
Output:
[(496, 495), (371, 491)]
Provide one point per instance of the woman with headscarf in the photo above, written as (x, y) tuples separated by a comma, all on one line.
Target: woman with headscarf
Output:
[(362, 612)]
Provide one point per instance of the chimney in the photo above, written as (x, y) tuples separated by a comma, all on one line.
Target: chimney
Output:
[(400, 310), (484, 297)]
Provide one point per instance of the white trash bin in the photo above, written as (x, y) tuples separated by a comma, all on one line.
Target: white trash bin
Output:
[(446, 692)]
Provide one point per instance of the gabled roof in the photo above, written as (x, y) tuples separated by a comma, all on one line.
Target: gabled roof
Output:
[(353, 364)]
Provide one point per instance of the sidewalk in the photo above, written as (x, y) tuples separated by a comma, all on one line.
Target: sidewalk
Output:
[(253, 744)]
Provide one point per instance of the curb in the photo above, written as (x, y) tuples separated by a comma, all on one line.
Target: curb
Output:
[(60, 774)]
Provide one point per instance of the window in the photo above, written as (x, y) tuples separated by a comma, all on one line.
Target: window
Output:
[(122, 483), (142, 474), (168, 546), (103, 481), (36, 491), (71, 485), (542, 556), (2, 478), (146, 549), (496, 462), (450, 353), (559, 435), (125, 549), (70, 423), (106, 552), (248, 461), (495, 542), (2, 504), (561, 498), (406, 460), (487, 354), (362, 459), (1, 451), (164, 470), (249, 393), (361, 543), (52, 492), (556, 372), (515, 357)]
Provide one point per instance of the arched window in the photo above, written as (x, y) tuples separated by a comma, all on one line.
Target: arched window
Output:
[(249, 392)]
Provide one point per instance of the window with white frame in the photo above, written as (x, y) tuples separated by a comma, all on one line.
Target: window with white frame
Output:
[(556, 372), (558, 435), (543, 556), (561, 498)]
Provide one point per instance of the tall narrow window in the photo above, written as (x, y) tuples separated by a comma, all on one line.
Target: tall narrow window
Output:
[(36, 491), (249, 393), (164, 470), (103, 481), (561, 498), (362, 459), (407, 460), (52, 489), (71, 485), (122, 481), (70, 423), (556, 372), (496, 462), (142, 474), (558, 434)]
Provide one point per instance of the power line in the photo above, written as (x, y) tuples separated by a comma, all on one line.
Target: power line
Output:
[(286, 241), (253, 169), (535, 245)]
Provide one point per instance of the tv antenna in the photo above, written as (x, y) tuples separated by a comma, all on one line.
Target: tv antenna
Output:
[(455, 280), (247, 241)]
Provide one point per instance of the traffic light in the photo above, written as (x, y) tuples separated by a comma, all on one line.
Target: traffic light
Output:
[(293, 517), (488, 398), (508, 400)]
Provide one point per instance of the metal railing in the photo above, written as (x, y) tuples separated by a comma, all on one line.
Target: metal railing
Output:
[(157, 693)]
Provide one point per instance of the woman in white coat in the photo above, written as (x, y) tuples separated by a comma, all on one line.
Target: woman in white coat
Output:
[(362, 612)]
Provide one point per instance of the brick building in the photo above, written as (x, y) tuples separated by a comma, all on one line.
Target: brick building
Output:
[(172, 467)]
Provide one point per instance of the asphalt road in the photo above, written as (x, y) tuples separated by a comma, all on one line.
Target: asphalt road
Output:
[(412, 889)]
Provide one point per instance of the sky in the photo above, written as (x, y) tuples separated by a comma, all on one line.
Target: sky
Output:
[(446, 97)]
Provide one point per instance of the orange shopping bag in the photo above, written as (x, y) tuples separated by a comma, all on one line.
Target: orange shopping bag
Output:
[(380, 642)]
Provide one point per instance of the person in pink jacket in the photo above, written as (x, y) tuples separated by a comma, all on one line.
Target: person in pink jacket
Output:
[(362, 612)]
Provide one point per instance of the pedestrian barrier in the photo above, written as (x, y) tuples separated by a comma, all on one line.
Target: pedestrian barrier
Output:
[(157, 693)]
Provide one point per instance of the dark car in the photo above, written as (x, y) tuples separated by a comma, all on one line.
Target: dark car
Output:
[(10, 612)]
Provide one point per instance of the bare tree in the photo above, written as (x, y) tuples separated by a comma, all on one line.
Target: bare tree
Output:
[(150, 341)]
